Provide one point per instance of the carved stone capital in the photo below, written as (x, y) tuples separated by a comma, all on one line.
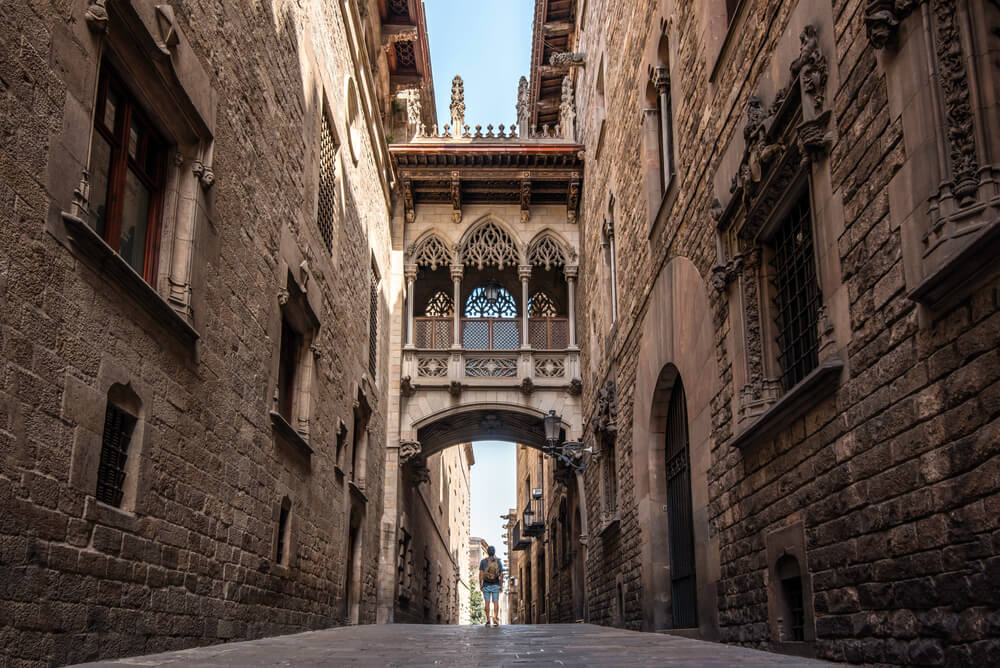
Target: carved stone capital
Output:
[(661, 79), (97, 16), (410, 272), (568, 59), (571, 271), (524, 272), (457, 271), (882, 19), (408, 451)]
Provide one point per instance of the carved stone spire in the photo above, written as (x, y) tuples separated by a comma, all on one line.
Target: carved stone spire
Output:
[(457, 104), (523, 108), (567, 110)]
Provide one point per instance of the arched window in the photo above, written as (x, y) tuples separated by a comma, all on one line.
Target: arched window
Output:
[(478, 305), (541, 305), (440, 306)]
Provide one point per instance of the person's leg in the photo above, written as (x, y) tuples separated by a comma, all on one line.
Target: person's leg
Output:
[(496, 610), (486, 604)]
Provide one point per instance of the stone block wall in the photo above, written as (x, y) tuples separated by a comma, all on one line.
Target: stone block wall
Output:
[(192, 562), (892, 478)]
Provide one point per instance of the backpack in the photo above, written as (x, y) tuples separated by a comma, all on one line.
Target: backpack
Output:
[(491, 574)]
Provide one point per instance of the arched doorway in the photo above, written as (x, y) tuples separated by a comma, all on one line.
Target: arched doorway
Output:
[(680, 519)]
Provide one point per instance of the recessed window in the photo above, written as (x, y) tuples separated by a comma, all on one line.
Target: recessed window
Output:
[(797, 295), (118, 428), (291, 351), (126, 176), (792, 620), (283, 546)]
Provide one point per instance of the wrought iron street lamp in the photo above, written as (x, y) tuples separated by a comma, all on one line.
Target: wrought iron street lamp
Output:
[(570, 453), (491, 290)]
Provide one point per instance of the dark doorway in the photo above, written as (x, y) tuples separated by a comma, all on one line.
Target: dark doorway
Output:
[(683, 585)]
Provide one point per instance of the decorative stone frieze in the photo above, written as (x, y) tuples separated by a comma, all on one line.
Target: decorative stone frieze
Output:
[(954, 82)]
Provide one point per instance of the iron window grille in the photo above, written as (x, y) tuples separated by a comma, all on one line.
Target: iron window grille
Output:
[(797, 295), (326, 211), (282, 551), (373, 323), (118, 428)]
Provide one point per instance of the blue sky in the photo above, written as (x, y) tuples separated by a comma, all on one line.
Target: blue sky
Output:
[(494, 490), (488, 43)]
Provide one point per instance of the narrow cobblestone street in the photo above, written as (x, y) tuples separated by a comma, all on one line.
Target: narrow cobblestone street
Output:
[(425, 645)]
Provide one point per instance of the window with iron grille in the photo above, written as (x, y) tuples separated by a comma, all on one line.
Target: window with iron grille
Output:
[(797, 297), (373, 323), (118, 428), (281, 554), (326, 210), (406, 58)]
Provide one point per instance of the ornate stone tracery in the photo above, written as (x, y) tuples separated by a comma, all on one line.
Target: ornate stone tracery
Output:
[(547, 252), (490, 245), (432, 252), (440, 305)]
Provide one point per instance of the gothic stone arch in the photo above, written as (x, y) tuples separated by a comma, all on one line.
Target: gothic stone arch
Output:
[(677, 338)]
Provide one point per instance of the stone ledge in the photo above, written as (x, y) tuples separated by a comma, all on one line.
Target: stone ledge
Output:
[(974, 263), (107, 263), (102, 513), (288, 434), (358, 492), (794, 403)]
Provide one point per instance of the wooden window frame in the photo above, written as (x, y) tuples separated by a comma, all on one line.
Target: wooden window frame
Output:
[(121, 163)]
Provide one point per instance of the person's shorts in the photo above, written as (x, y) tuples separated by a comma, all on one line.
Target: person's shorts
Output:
[(491, 591)]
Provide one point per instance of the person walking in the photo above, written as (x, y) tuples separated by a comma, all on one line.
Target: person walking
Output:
[(491, 582)]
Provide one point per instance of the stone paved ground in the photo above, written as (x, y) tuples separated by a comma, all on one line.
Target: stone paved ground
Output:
[(468, 646)]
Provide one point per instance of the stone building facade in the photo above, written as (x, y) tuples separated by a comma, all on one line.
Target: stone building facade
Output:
[(432, 564), (789, 340), (193, 388)]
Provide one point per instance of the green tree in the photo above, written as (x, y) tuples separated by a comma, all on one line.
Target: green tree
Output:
[(476, 613)]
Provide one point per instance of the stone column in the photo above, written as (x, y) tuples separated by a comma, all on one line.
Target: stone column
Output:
[(410, 272), (661, 79), (457, 270), (524, 273), (571, 271)]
